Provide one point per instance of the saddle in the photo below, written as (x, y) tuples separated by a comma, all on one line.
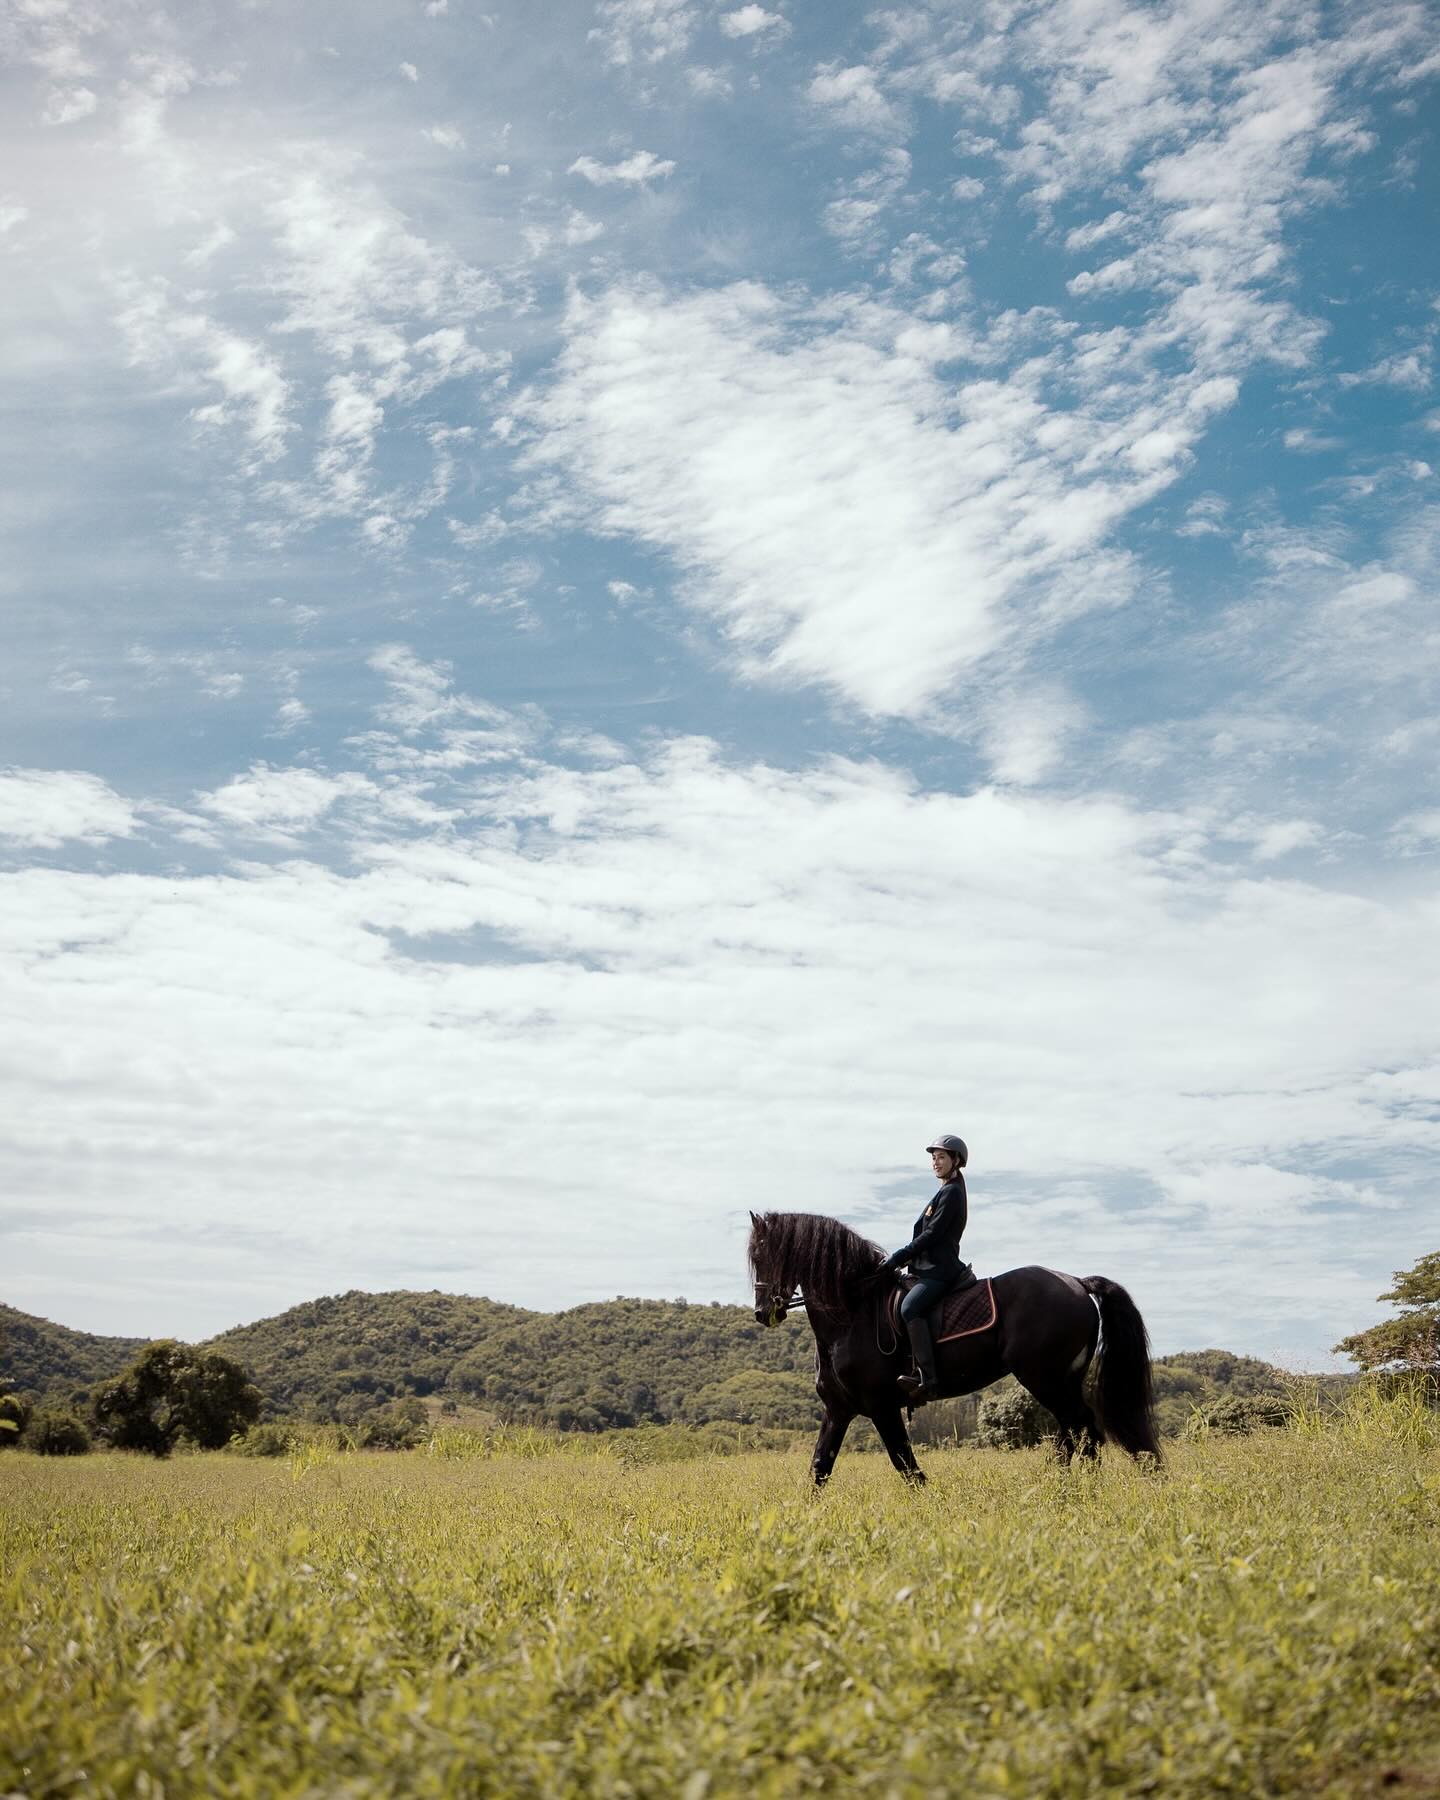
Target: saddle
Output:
[(964, 1312)]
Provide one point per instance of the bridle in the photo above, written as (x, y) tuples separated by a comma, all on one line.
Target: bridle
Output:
[(778, 1308)]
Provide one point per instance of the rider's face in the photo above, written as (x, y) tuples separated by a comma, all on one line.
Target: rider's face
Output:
[(943, 1163)]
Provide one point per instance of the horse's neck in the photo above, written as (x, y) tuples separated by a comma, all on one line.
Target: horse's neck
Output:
[(829, 1328)]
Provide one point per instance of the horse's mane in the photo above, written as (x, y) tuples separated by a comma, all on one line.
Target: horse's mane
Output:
[(820, 1256)]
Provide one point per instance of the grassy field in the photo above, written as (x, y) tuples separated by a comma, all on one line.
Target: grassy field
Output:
[(1263, 1619)]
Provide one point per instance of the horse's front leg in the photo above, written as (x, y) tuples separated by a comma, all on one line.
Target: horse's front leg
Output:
[(896, 1440), (827, 1446)]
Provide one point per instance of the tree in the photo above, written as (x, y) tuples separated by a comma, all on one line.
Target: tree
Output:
[(217, 1400), (1413, 1338), (171, 1391), (55, 1433)]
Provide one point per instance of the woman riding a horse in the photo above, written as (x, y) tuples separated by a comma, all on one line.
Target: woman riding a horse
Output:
[(933, 1257), (1079, 1345)]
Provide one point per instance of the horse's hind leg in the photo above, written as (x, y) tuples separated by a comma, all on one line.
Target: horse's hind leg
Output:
[(1079, 1428), (896, 1440), (827, 1446)]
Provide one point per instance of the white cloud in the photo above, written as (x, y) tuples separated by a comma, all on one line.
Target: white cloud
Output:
[(1418, 831), (843, 513), (857, 217), (277, 802), (1025, 732), (291, 715), (1406, 369), (580, 229), (1306, 441), (751, 21), (1083, 236), (852, 96), (643, 31), (215, 680), (633, 171), (66, 105), (448, 137), (44, 808), (708, 84), (426, 725), (1205, 516), (409, 71), (358, 278), (164, 333)]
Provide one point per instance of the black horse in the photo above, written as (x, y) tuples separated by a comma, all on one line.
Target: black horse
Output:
[(1048, 1331)]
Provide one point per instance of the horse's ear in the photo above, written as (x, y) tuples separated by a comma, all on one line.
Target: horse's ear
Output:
[(755, 1221)]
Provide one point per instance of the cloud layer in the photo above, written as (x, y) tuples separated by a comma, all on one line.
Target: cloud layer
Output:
[(668, 987)]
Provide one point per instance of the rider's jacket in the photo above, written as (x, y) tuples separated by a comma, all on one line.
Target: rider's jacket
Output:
[(933, 1253)]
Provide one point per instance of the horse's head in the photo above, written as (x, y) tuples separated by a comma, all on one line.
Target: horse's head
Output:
[(773, 1293), (833, 1266)]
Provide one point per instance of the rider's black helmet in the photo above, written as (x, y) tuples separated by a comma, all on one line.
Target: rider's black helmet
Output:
[(947, 1140)]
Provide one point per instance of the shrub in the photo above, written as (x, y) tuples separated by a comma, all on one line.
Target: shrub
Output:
[(55, 1433), (14, 1416), (269, 1439), (1013, 1419), (1235, 1414), (401, 1426)]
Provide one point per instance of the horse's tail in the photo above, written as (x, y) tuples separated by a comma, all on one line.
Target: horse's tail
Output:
[(1126, 1394)]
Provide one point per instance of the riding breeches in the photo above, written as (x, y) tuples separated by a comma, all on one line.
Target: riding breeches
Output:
[(923, 1298)]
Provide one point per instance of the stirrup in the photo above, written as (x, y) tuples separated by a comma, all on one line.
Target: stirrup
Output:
[(915, 1388)]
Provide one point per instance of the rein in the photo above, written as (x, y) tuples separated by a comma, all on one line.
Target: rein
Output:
[(788, 1306), (797, 1299)]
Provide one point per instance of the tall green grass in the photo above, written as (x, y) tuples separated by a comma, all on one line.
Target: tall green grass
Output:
[(1262, 1619)]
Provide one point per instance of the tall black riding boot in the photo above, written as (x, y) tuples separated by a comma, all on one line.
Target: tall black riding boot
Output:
[(917, 1389)]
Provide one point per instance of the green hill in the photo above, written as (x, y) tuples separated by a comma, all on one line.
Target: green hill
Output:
[(344, 1354), (615, 1363), (51, 1363), (624, 1362), (1192, 1377)]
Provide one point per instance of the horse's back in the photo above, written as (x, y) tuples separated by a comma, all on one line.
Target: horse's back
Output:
[(1034, 1276)]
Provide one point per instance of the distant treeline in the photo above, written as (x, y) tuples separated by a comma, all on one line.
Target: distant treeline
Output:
[(358, 1358)]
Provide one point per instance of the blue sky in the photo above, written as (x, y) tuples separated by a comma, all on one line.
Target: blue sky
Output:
[(616, 612)]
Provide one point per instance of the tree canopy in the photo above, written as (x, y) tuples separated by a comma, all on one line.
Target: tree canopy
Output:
[(1411, 1339), (172, 1392)]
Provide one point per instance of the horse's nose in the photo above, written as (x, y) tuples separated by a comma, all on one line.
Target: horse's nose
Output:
[(762, 1315)]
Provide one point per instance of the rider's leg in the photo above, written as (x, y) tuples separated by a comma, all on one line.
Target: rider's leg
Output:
[(915, 1310)]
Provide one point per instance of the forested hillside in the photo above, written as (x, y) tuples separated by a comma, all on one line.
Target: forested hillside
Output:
[(1192, 1377), (53, 1363), (338, 1356), (623, 1362), (619, 1362)]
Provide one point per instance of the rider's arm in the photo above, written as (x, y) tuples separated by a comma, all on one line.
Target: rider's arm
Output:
[(948, 1220)]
